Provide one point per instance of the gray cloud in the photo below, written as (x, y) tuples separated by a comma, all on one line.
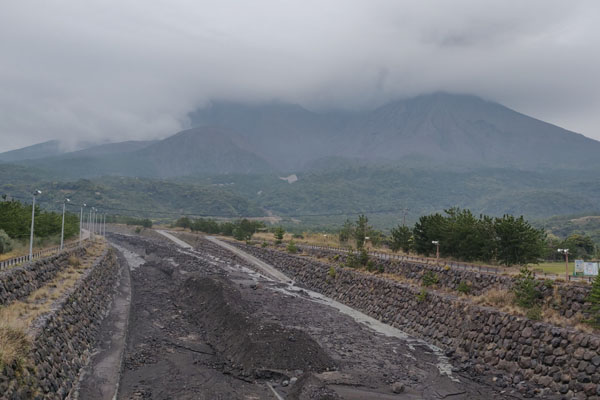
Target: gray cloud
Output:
[(112, 70)]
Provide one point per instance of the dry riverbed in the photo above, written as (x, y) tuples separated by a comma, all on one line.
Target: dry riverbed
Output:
[(208, 324)]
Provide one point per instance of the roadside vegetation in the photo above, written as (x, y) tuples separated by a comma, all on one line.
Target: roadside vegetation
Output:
[(15, 227), (242, 229)]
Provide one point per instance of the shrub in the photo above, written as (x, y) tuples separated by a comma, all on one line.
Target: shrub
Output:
[(363, 257), (336, 257), (278, 233), (430, 279), (526, 292), (422, 296), (370, 266), (352, 261), (297, 236), (380, 269), (534, 313), (138, 229), (291, 247), (594, 300), (464, 287), (549, 284), (264, 244), (331, 272), (6, 243), (74, 261)]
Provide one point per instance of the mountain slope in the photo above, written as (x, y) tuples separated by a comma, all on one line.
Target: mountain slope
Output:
[(39, 150), (442, 127), (204, 150)]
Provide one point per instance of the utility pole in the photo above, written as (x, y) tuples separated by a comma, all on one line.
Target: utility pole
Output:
[(437, 250), (62, 229), (81, 224), (37, 192), (566, 253)]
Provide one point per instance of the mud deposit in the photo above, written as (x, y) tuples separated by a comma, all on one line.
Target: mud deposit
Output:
[(205, 324)]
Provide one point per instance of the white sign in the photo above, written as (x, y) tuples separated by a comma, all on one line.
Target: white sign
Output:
[(590, 268), (579, 269)]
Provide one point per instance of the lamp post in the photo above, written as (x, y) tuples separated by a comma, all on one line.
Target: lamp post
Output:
[(37, 192), (437, 250), (62, 229), (81, 223), (566, 253)]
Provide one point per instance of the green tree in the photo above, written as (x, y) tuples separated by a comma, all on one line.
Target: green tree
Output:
[(347, 231), (427, 229), (518, 242), (6, 243), (580, 246), (278, 233), (360, 232), (527, 294), (401, 238)]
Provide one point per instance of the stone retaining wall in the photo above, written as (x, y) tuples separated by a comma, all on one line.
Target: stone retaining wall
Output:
[(19, 282), (567, 298), (62, 338), (538, 358)]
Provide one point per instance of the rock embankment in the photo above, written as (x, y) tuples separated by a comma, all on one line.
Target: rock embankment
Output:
[(521, 352), (62, 338), (20, 282), (568, 299)]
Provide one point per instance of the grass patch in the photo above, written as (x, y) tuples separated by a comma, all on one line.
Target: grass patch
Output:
[(556, 268), (14, 343)]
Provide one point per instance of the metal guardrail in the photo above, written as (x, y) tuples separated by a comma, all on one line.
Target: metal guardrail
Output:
[(37, 255), (484, 269)]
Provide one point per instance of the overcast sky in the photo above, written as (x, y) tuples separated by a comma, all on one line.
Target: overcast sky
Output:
[(117, 70)]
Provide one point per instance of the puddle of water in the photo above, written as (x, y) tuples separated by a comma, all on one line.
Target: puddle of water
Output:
[(133, 259)]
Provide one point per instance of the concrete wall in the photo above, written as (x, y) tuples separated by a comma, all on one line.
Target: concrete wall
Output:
[(557, 361), (63, 338)]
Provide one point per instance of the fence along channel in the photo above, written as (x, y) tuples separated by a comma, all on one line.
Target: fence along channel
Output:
[(484, 269), (37, 255)]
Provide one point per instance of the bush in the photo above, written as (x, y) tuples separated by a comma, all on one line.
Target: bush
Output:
[(534, 313), (594, 300), (6, 243), (380, 269), (331, 272), (278, 233), (363, 257), (264, 244), (291, 247), (352, 261), (74, 261), (336, 257), (430, 279), (370, 266), (297, 236), (527, 295), (138, 229), (464, 287), (422, 296)]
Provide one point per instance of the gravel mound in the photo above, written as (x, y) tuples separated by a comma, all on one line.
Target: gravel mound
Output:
[(249, 347)]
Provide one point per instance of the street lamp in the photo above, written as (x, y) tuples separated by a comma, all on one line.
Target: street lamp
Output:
[(566, 253), (81, 223), (437, 249), (62, 229), (36, 193)]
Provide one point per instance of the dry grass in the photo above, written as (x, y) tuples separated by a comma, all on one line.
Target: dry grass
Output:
[(14, 343), (16, 318)]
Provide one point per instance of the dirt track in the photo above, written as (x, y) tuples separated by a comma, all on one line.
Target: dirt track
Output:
[(205, 325)]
